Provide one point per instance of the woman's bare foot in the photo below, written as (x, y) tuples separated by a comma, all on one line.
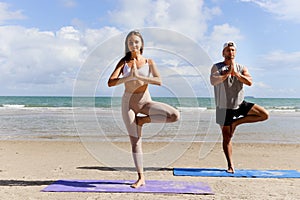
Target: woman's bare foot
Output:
[(139, 125), (139, 121), (138, 183)]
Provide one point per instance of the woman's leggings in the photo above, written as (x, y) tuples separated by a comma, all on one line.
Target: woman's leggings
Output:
[(134, 103)]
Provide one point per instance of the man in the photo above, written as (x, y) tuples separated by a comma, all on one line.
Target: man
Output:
[(228, 79)]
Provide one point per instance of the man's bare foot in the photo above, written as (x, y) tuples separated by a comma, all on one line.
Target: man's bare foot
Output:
[(230, 170), (138, 183)]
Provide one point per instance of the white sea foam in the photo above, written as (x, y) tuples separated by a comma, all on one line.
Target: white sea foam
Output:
[(16, 106), (282, 110), (192, 108)]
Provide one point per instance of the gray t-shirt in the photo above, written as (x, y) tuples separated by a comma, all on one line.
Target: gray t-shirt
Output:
[(229, 94)]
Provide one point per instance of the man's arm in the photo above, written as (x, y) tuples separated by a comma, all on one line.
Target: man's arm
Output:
[(244, 77), (215, 76)]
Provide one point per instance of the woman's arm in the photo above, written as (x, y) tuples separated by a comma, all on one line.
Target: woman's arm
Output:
[(114, 77), (155, 79)]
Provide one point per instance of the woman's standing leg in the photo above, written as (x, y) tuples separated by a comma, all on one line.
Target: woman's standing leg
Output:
[(156, 113), (137, 153), (136, 142)]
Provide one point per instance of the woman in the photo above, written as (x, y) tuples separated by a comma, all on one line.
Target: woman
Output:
[(136, 72)]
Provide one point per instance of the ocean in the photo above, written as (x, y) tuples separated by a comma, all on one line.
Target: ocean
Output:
[(99, 118), (274, 104)]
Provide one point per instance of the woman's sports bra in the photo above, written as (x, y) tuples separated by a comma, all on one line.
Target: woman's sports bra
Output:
[(142, 71)]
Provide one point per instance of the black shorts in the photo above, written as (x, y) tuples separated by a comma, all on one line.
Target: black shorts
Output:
[(225, 117)]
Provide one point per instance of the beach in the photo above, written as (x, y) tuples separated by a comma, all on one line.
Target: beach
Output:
[(40, 145), (29, 166)]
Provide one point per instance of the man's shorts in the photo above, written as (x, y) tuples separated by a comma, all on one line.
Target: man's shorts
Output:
[(225, 117)]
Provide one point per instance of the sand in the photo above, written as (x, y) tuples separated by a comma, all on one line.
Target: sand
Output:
[(29, 166)]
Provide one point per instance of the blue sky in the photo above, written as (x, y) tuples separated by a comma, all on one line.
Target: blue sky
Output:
[(45, 44)]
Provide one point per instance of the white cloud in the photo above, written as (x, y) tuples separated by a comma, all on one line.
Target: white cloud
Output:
[(47, 62), (69, 3), (187, 17), (219, 35), (130, 13), (92, 37), (276, 75), (283, 9), (261, 85), (44, 61), (6, 14), (68, 33), (38, 56), (278, 59)]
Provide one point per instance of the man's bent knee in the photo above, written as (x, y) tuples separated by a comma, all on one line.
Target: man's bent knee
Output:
[(265, 115)]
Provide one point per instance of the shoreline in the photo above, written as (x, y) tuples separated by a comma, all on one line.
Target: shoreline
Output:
[(125, 139), (29, 166), (57, 125)]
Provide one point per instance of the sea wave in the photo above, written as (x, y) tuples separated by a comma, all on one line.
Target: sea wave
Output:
[(16, 106), (283, 108), (192, 108), (97, 107), (71, 109)]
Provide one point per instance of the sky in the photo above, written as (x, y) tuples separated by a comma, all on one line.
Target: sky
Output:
[(70, 47)]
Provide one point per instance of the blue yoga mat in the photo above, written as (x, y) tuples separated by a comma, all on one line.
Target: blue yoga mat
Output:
[(152, 186), (211, 172)]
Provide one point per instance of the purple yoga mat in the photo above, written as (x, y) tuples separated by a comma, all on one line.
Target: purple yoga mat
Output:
[(152, 186)]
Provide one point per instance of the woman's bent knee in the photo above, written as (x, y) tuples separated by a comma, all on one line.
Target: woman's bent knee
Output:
[(175, 116)]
